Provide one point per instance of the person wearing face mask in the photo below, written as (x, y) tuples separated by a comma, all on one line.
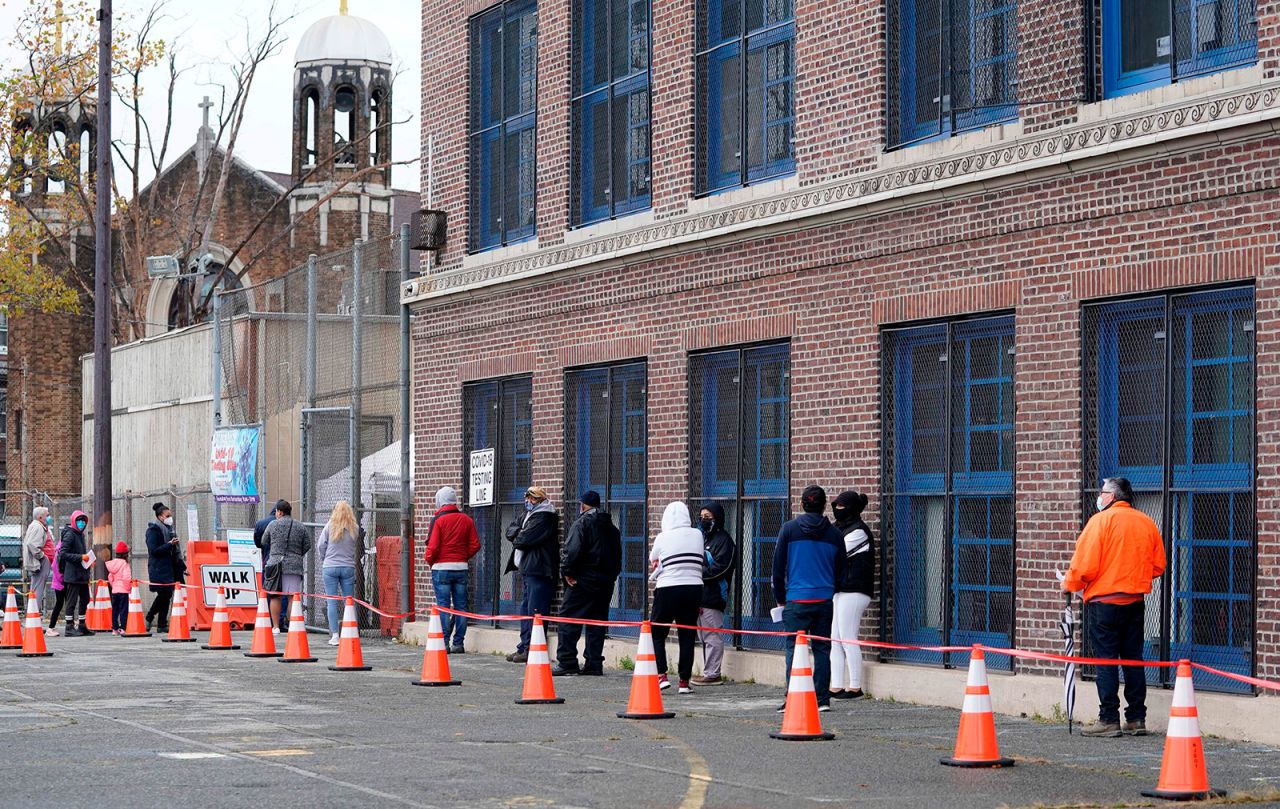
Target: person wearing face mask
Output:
[(590, 562), (37, 548), (1116, 557), (719, 550), (853, 594), (74, 560), (165, 567), (535, 538)]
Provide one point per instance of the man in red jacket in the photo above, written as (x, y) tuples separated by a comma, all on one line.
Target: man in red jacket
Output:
[(451, 542)]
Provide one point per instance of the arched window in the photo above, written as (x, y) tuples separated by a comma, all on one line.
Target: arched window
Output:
[(378, 121), (56, 160), (86, 157), (22, 154), (190, 293), (310, 126), (344, 126)]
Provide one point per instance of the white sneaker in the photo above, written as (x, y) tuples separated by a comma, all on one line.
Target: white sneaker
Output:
[(333, 640), (275, 630), (51, 633)]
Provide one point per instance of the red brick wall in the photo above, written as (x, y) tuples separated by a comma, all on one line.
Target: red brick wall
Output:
[(1185, 219)]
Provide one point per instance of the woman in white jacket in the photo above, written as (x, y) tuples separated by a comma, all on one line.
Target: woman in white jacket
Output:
[(677, 562)]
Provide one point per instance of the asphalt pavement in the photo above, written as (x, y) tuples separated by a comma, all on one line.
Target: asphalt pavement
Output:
[(113, 722)]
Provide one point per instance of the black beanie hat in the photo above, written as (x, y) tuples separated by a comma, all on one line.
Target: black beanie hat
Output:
[(851, 503), (813, 500)]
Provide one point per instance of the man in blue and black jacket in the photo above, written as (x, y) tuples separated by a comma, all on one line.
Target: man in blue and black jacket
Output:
[(807, 563)]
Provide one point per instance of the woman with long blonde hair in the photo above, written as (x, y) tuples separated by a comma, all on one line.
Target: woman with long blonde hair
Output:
[(337, 552)]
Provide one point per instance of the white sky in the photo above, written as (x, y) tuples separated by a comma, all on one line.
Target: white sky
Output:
[(204, 32)]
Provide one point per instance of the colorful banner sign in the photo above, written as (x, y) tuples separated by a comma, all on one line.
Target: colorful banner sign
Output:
[(233, 464)]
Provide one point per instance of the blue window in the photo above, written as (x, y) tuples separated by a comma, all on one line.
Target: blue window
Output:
[(746, 79), (497, 415), (504, 89), (610, 109), (1141, 49), (948, 511), (740, 453), (952, 67), (1169, 394), (605, 451)]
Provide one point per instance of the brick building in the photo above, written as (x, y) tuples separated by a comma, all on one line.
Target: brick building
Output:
[(338, 189), (966, 259)]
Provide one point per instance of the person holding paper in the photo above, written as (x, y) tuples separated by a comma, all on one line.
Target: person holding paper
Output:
[(165, 567), (74, 560), (808, 560)]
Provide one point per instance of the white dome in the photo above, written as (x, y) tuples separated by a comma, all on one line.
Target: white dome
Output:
[(343, 38)]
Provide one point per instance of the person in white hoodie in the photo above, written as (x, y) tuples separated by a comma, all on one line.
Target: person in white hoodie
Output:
[(677, 563)]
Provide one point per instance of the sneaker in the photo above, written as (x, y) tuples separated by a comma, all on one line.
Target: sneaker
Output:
[(684, 687), (275, 630), (1103, 730), (51, 633), (782, 708), (333, 640), (823, 707), (150, 621), (457, 650), (119, 632), (854, 694), (518, 657), (560, 671), (1138, 728), (663, 682), (71, 631), (703, 680)]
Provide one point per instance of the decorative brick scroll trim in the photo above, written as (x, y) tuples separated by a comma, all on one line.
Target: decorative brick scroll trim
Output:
[(620, 348), (847, 195), (754, 330), (492, 367), (986, 297), (1166, 273)]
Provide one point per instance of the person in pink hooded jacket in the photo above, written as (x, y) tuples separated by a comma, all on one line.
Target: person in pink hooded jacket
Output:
[(120, 577)]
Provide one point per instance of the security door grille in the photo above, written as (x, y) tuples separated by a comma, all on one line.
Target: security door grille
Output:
[(740, 456), (948, 487), (605, 451), (1169, 405)]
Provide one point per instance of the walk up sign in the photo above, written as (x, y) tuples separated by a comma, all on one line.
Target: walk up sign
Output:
[(238, 583), (480, 492)]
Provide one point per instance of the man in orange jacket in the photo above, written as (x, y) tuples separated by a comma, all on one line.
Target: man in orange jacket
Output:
[(1117, 556)]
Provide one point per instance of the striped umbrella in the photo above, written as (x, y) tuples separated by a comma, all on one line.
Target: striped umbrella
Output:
[(1068, 623)]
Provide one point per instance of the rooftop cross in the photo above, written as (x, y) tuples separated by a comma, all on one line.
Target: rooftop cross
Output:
[(58, 19), (205, 106)]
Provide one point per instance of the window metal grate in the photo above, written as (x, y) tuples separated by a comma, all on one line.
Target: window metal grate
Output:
[(1169, 405), (1148, 43)]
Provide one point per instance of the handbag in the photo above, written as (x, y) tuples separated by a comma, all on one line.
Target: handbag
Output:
[(273, 572)]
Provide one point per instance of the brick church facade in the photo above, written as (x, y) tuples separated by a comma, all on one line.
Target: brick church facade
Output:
[(337, 189), (720, 251)]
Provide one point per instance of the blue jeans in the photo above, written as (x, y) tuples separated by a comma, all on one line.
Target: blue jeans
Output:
[(338, 581), (451, 592), (815, 619), (538, 592), (1115, 631)]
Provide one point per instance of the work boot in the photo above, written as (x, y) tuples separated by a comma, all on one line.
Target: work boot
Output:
[(1138, 728), (592, 672), (1103, 730), (561, 671), (704, 680), (518, 657), (84, 630)]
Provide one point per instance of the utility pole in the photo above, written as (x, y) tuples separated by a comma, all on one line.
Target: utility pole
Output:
[(102, 297)]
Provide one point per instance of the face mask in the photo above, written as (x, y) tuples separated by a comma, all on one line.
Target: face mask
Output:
[(528, 506), (168, 521), (81, 525), (48, 520), (837, 514), (1098, 504), (708, 526)]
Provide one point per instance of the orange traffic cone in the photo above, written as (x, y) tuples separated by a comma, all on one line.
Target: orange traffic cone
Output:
[(538, 688), (800, 721), (1182, 773), (296, 648), (179, 629), (220, 631), (435, 660), (98, 616), (136, 625), (646, 698), (11, 635), (33, 637), (349, 656), (976, 739), (264, 642)]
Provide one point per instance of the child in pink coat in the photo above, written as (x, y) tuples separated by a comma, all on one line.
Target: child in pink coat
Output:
[(120, 577)]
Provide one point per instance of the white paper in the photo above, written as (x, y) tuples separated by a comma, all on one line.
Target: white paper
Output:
[(776, 615), (1060, 575)]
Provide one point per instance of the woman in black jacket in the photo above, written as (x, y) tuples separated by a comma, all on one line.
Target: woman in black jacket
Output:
[(165, 567), (853, 594), (73, 558)]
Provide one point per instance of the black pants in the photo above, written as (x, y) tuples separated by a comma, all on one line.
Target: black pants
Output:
[(160, 607), (583, 602), (119, 610), (678, 604), (59, 598), (77, 596), (1115, 631)]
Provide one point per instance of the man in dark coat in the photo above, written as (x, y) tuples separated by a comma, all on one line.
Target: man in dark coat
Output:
[(165, 567), (535, 538), (73, 552), (720, 550), (590, 562)]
